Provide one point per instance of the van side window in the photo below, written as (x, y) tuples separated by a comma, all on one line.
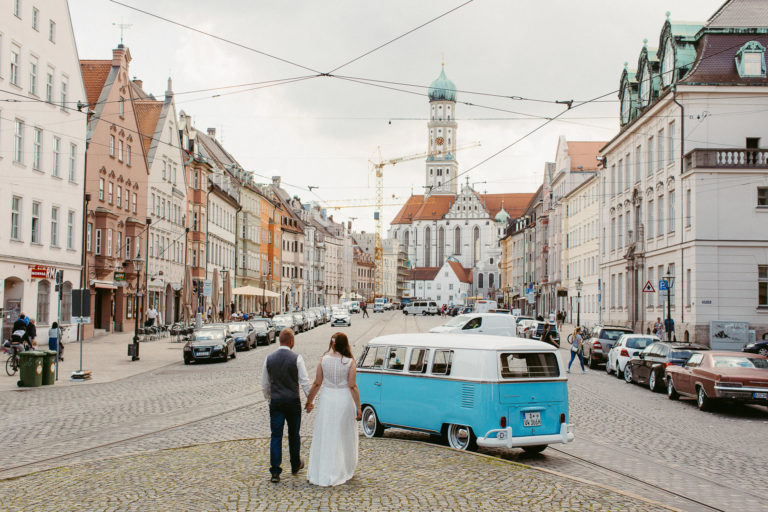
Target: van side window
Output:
[(475, 323), (529, 365), (373, 357), (442, 362), (418, 362), (396, 359)]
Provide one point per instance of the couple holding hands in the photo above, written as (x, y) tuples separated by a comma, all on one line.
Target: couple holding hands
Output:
[(333, 455)]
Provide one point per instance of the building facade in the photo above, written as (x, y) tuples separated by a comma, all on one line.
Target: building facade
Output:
[(41, 164), (116, 178), (683, 204)]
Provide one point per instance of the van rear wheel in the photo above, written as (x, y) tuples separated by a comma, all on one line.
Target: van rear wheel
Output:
[(371, 425), (533, 450), (461, 437)]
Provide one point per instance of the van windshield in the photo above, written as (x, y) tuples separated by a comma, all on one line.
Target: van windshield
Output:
[(457, 321), (529, 365)]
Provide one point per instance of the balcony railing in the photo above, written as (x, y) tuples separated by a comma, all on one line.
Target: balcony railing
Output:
[(727, 158)]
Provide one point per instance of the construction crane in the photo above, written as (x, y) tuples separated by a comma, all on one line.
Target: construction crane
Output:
[(378, 169)]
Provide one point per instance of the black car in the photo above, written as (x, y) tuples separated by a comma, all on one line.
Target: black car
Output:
[(265, 334), (242, 332), (758, 347), (285, 322), (536, 333), (648, 366), (601, 340), (210, 344)]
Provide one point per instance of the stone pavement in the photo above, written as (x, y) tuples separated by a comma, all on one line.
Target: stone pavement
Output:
[(106, 357), (234, 476)]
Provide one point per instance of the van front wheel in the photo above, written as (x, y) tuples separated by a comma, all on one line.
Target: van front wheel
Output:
[(461, 437), (371, 425)]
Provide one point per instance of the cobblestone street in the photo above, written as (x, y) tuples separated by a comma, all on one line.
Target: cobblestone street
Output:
[(97, 435)]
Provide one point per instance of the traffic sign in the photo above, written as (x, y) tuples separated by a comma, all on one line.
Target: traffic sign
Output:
[(648, 288), (662, 285)]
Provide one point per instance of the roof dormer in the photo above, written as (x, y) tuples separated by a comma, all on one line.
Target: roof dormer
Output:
[(750, 60)]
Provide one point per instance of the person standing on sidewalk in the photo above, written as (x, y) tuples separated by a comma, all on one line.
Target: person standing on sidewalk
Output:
[(54, 340), (32, 334), (284, 371), (576, 342), (151, 316)]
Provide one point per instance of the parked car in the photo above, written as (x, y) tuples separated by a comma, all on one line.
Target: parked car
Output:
[(758, 347), (284, 322), (378, 307), (269, 321), (242, 333), (537, 329), (599, 343), (354, 306), (421, 307), (627, 347), (524, 325), (209, 344), (264, 333), (312, 318), (720, 376), (479, 323), (649, 365), (321, 318), (300, 321), (340, 316), (464, 310), (484, 306)]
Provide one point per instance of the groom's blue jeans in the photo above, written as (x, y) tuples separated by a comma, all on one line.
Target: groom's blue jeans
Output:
[(282, 411)]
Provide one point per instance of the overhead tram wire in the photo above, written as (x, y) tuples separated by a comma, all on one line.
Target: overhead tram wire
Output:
[(400, 37)]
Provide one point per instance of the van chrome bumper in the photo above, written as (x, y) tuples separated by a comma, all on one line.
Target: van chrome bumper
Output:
[(503, 438)]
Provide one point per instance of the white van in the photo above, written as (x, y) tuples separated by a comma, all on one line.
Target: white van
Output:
[(484, 306), (480, 323), (421, 307)]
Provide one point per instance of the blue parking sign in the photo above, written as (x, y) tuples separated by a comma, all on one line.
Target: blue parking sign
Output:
[(662, 284)]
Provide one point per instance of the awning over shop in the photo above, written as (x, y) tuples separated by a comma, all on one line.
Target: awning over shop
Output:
[(254, 291), (107, 285)]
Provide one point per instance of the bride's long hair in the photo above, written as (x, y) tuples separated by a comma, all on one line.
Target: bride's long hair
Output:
[(340, 344)]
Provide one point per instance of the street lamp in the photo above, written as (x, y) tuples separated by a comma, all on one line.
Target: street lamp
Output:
[(138, 264), (669, 326), (579, 286)]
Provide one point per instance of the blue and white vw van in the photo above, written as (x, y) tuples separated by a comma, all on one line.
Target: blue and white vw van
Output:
[(473, 390)]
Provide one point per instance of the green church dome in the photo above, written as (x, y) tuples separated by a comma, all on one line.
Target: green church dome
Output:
[(442, 88)]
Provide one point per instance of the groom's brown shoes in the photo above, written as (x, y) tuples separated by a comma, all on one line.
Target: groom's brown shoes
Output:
[(296, 471)]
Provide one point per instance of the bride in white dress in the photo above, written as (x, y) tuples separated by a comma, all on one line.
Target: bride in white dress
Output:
[(333, 456)]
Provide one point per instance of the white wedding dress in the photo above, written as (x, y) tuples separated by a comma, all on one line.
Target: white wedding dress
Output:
[(333, 456)]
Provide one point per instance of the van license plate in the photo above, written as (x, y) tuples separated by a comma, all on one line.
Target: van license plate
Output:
[(532, 419), (760, 395)]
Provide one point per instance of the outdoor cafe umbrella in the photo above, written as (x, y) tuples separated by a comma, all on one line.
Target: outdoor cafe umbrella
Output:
[(227, 298), (215, 296), (187, 297)]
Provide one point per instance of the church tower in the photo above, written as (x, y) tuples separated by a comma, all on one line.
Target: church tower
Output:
[(442, 168)]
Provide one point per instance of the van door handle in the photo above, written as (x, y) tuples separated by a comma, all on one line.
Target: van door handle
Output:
[(377, 383)]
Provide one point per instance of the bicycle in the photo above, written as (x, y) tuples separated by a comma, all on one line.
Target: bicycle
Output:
[(13, 362)]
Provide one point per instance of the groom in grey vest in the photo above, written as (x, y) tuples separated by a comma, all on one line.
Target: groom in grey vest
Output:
[(283, 372)]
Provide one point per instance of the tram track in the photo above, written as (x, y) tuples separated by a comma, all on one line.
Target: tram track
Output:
[(12, 472)]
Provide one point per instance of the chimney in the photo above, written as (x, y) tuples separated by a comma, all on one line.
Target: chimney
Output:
[(169, 90), (139, 83), (330, 218), (212, 132), (276, 181)]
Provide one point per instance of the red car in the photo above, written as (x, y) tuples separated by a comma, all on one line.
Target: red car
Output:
[(714, 376)]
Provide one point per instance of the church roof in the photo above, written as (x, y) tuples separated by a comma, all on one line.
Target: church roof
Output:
[(442, 88), (464, 274), (436, 206), (740, 14)]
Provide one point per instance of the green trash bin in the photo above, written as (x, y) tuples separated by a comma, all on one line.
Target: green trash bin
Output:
[(31, 368), (49, 367)]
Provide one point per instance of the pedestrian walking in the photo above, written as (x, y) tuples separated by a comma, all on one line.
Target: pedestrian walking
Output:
[(151, 316), (658, 328), (54, 340), (364, 308), (551, 317), (283, 373), (576, 349)]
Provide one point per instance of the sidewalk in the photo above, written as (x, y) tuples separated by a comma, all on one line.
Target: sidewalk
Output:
[(106, 357)]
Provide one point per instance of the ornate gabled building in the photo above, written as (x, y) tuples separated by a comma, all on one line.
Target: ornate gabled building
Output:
[(683, 189), (447, 222)]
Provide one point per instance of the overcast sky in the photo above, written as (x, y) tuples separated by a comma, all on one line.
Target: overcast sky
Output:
[(322, 131)]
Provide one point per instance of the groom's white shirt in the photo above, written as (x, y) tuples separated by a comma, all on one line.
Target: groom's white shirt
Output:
[(303, 377)]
